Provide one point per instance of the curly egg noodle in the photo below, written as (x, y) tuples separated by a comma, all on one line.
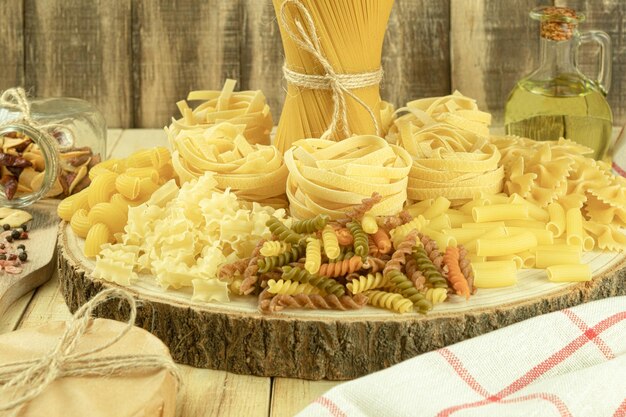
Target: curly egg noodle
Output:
[(448, 138), (253, 172), (328, 177)]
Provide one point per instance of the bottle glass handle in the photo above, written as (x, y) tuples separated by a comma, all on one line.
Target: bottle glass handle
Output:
[(604, 40)]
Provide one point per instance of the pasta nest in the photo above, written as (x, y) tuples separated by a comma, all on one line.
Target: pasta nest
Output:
[(328, 177), (448, 140), (253, 172), (246, 108)]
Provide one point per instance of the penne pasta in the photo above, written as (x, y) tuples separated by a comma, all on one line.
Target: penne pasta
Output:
[(495, 233), (458, 218), (559, 247), (528, 259), (419, 207), (469, 206), (546, 258), (505, 246), (463, 236), (519, 262), (543, 236), (497, 212), (438, 207), (574, 227), (440, 222), (494, 274), (534, 211), (535, 224), (485, 226), (569, 273), (556, 225)]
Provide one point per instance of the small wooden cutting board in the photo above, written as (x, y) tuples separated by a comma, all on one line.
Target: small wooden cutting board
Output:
[(41, 247)]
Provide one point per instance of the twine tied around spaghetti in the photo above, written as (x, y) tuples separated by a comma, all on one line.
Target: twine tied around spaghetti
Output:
[(339, 84), (24, 380)]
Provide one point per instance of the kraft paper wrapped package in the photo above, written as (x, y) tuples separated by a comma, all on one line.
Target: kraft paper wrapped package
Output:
[(134, 376)]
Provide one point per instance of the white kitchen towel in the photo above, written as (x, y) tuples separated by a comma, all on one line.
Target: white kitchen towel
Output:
[(571, 363)]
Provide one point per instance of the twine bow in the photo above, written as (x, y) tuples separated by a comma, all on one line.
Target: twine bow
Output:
[(23, 381), (339, 84), (17, 100)]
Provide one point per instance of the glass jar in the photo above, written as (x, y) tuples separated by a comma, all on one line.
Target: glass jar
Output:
[(557, 99), (49, 153)]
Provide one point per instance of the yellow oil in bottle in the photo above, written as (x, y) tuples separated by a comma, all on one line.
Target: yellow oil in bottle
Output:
[(567, 106)]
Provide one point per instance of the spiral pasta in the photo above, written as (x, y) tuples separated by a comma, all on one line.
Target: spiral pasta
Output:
[(341, 268), (283, 232), (431, 272), (271, 262), (310, 225), (382, 241), (405, 287), (323, 283), (390, 301), (312, 301), (291, 287), (330, 243), (455, 276), (361, 246), (250, 273), (358, 212), (274, 248), (367, 282), (313, 255), (436, 295), (344, 236), (399, 233), (369, 224)]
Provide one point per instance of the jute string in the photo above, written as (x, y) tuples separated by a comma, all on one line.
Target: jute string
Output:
[(16, 99), (339, 84), (21, 382)]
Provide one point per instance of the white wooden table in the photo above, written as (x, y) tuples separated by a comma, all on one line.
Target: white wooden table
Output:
[(205, 392)]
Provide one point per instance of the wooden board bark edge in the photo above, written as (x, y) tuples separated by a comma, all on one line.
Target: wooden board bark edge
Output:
[(324, 348)]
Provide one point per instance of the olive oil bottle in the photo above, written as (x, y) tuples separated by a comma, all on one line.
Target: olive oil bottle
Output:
[(557, 100)]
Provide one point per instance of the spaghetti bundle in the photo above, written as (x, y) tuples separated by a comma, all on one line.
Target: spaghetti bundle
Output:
[(327, 177), (448, 138), (333, 52), (240, 108)]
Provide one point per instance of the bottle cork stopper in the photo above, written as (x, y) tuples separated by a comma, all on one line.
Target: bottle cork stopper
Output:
[(558, 23)]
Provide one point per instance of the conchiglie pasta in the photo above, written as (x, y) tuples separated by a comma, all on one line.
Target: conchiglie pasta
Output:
[(98, 235)]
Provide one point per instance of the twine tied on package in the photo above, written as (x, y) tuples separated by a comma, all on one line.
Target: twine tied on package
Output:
[(21, 382), (340, 85)]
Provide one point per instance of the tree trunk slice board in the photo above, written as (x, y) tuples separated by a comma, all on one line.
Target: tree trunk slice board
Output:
[(40, 246), (335, 345)]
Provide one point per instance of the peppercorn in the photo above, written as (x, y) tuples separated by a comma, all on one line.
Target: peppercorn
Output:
[(9, 239), (15, 234), (21, 246), (6, 226), (24, 227), (23, 256), (3, 257)]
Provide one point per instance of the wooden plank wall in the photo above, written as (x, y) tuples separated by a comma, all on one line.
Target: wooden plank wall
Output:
[(135, 58)]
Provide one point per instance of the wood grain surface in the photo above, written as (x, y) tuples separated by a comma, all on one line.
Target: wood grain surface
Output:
[(11, 43), (135, 59), (77, 48)]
